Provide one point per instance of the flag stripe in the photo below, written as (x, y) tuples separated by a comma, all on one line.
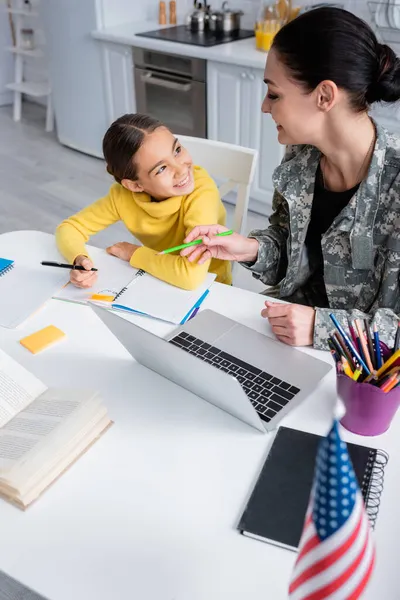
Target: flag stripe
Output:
[(356, 578), (335, 569), (330, 544), (333, 586), (321, 565), (363, 583)]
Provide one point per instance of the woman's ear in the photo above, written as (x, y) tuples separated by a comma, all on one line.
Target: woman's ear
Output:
[(327, 95), (132, 186)]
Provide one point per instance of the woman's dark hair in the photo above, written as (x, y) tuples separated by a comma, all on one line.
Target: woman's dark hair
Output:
[(121, 142), (333, 44)]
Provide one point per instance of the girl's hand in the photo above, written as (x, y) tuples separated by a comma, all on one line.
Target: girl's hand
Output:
[(122, 250), (230, 247), (83, 279), (292, 324)]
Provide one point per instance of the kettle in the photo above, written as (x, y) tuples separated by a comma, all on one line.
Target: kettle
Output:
[(198, 19)]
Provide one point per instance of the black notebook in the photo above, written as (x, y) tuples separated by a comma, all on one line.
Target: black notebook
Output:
[(276, 509)]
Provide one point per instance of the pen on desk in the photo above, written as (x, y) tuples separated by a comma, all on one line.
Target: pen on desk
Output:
[(349, 343), (195, 243), (378, 352), (397, 339), (48, 263)]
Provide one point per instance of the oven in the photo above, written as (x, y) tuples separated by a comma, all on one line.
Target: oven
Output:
[(172, 89)]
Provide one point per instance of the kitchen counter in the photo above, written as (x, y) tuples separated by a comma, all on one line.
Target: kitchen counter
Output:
[(241, 53)]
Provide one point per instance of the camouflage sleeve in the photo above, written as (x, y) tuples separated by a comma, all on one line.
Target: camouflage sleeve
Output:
[(271, 264), (385, 319)]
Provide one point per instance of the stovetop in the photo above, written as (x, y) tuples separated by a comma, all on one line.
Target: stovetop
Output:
[(183, 35)]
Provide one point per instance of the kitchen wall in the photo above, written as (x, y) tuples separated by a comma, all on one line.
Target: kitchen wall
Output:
[(251, 7)]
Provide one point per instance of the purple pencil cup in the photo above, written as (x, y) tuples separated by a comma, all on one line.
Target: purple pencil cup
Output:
[(369, 411)]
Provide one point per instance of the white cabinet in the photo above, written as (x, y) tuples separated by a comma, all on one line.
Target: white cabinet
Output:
[(234, 98), (118, 80)]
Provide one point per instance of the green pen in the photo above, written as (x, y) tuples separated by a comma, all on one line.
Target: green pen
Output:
[(195, 243)]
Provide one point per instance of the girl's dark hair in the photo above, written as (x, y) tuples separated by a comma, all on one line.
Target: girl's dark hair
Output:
[(333, 44), (121, 142)]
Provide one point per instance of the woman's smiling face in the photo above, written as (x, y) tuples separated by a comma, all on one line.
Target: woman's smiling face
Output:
[(294, 111)]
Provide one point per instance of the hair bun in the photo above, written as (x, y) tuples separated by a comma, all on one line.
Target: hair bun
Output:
[(386, 87)]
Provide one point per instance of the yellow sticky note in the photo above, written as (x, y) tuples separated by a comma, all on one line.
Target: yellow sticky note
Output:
[(38, 341), (102, 297)]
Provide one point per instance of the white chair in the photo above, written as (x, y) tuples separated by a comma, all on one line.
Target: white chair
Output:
[(233, 164)]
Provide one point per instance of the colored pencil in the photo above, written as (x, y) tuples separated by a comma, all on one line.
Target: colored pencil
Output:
[(390, 383), (344, 351), (397, 338), (346, 367), (363, 345), (349, 343), (370, 344), (378, 352), (352, 333), (194, 243), (385, 365)]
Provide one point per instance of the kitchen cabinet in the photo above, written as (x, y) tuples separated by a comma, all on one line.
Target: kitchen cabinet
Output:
[(118, 80), (234, 98)]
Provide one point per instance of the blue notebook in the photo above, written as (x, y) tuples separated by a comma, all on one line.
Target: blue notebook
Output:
[(5, 266)]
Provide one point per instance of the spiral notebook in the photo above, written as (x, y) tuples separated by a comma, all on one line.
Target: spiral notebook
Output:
[(276, 508), (147, 295), (25, 288), (5, 265)]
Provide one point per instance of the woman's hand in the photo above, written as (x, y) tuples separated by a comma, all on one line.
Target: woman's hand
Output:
[(122, 250), (230, 247), (83, 279), (292, 324)]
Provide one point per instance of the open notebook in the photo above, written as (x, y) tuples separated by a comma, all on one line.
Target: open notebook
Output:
[(137, 291), (25, 288), (113, 274), (152, 297)]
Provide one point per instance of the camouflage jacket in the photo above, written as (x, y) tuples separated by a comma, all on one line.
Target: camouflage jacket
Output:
[(361, 249)]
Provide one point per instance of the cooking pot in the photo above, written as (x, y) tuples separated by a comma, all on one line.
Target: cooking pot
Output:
[(225, 20)]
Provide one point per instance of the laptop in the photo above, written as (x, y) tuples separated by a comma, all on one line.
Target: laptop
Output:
[(245, 373)]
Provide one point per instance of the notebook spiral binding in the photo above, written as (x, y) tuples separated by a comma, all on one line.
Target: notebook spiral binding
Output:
[(6, 270), (372, 484), (138, 274)]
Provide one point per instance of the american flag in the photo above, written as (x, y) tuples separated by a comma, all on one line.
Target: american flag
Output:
[(336, 553)]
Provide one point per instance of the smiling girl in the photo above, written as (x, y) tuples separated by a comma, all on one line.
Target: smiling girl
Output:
[(159, 195)]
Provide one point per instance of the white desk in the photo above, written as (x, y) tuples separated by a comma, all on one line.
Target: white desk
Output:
[(150, 511)]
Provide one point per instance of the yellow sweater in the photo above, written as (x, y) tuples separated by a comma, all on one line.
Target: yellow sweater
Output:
[(157, 225)]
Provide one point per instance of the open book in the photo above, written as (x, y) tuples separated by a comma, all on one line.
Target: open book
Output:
[(42, 431)]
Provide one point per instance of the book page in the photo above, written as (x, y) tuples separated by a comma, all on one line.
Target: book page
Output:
[(11, 589), (18, 388), (22, 433)]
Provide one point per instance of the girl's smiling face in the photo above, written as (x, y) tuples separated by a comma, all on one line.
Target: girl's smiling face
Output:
[(164, 167)]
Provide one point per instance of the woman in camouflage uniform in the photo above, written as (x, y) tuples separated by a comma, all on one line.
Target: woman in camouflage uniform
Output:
[(333, 244)]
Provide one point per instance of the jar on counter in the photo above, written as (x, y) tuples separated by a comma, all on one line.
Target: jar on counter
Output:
[(27, 39), (267, 25)]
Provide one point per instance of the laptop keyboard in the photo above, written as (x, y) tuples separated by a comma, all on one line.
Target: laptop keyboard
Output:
[(268, 394)]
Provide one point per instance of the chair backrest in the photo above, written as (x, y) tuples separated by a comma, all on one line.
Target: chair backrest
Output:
[(234, 164)]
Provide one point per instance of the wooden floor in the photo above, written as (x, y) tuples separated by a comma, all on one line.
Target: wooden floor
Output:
[(43, 182)]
